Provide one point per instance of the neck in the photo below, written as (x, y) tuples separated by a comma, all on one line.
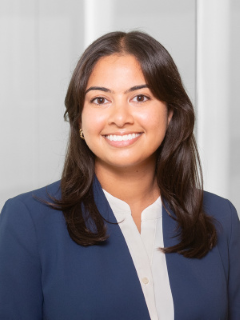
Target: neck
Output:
[(136, 186)]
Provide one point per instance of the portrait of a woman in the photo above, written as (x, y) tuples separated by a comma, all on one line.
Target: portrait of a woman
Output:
[(128, 232)]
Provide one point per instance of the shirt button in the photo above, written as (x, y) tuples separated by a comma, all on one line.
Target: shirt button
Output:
[(145, 280)]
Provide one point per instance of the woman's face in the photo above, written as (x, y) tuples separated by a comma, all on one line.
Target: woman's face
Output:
[(123, 123)]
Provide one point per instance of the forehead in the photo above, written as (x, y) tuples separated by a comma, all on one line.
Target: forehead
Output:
[(116, 69)]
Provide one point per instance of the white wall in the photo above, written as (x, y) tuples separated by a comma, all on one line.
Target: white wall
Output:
[(40, 44), (234, 105)]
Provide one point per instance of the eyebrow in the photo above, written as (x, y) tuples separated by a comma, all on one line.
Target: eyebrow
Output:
[(108, 90)]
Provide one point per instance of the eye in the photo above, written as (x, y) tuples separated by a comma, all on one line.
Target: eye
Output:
[(140, 98), (99, 100)]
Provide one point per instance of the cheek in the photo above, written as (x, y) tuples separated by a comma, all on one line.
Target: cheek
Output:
[(157, 120), (92, 121)]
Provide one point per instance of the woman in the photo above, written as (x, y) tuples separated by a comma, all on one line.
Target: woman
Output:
[(128, 232)]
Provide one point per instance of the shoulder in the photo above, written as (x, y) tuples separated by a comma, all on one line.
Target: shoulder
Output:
[(217, 206), (211, 201), (223, 212), (30, 205), (45, 193)]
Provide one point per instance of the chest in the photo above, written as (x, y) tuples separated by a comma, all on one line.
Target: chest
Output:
[(100, 282)]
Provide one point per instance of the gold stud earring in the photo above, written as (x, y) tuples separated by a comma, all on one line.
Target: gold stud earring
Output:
[(81, 134)]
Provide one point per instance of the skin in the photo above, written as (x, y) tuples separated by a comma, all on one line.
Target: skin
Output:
[(118, 102)]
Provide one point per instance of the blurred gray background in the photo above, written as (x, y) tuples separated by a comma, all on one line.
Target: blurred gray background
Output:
[(41, 42)]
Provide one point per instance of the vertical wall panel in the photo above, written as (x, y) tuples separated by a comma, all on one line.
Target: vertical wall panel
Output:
[(213, 93), (234, 108), (98, 17)]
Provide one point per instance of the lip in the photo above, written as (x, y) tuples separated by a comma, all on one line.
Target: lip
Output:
[(123, 143)]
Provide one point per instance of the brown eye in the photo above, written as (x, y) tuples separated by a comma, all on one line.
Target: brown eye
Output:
[(140, 98), (99, 100)]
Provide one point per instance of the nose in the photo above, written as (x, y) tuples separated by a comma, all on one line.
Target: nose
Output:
[(121, 114)]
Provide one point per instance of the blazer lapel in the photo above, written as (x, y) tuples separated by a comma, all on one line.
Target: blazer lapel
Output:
[(125, 287)]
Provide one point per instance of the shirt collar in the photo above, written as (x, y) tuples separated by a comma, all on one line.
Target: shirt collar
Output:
[(121, 209)]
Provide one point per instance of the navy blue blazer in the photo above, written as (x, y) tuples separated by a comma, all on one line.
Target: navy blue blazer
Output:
[(44, 274)]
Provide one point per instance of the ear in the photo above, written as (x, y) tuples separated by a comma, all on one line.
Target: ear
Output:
[(170, 114)]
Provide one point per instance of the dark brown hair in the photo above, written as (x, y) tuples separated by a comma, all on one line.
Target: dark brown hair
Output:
[(178, 169)]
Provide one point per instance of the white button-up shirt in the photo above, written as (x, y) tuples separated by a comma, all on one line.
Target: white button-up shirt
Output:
[(149, 261)]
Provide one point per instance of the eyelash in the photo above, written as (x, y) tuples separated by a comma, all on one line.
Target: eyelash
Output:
[(139, 95)]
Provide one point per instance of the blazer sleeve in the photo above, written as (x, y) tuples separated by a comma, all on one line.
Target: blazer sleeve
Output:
[(234, 266), (20, 271)]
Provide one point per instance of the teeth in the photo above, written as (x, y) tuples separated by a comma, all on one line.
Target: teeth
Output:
[(114, 137)]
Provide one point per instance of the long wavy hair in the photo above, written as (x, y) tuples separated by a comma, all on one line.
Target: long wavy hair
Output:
[(178, 169)]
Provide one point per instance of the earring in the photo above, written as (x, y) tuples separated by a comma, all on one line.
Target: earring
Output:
[(81, 134)]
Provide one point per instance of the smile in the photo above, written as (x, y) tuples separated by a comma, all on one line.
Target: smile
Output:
[(114, 137)]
